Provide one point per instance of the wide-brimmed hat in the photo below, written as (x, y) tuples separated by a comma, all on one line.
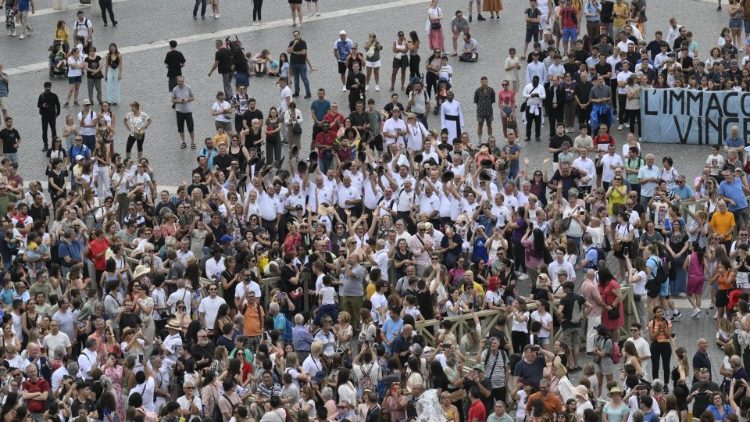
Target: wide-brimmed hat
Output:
[(140, 270), (615, 390), (174, 324), (582, 391)]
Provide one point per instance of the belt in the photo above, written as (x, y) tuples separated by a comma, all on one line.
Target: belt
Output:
[(451, 117)]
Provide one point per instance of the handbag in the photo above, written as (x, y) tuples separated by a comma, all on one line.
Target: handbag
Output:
[(523, 106), (435, 25), (297, 128), (614, 313)]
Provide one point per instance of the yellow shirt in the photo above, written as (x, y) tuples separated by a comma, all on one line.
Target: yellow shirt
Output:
[(723, 223), (621, 10), (370, 290)]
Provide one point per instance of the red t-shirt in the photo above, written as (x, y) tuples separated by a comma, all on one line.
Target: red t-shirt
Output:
[(41, 385), (477, 412), (96, 247)]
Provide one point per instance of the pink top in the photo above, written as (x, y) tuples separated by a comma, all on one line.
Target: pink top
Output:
[(695, 269), (506, 97)]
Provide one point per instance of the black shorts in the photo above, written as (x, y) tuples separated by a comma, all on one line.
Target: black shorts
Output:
[(182, 119), (402, 63), (342, 68), (722, 298)]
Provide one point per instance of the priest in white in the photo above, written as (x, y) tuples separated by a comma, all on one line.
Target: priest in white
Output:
[(451, 117)]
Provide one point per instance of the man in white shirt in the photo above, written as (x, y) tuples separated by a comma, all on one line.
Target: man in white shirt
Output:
[(172, 344), (145, 386), (190, 404), (349, 196), (610, 161), (622, 79), (585, 164), (209, 307), (674, 31), (643, 348), (560, 264), (55, 339), (394, 129), (451, 117), (379, 302), (247, 285), (285, 96), (534, 95), (83, 27), (86, 122), (88, 360), (182, 294)]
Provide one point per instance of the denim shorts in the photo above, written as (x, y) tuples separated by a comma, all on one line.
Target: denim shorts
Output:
[(569, 34), (74, 80)]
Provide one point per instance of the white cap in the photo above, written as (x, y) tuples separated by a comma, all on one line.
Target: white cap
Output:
[(342, 32), (79, 157)]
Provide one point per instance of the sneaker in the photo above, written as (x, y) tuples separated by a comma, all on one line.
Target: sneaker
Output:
[(677, 315), (619, 127), (307, 96), (590, 354), (480, 17), (367, 88), (317, 14), (195, 18), (523, 276), (682, 294), (492, 18), (718, 9), (716, 314), (20, 37), (105, 24), (30, 30), (696, 313), (343, 88), (216, 16), (712, 306), (470, 18), (377, 88), (114, 23)]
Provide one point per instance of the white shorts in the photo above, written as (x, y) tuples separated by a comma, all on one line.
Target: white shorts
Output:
[(4, 103), (372, 64)]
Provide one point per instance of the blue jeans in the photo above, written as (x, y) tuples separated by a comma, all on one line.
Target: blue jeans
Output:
[(300, 70), (324, 161)]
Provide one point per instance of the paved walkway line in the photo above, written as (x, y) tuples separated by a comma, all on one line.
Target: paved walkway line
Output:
[(162, 44), (72, 5)]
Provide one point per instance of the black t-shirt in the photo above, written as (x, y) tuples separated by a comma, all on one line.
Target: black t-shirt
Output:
[(88, 404), (9, 138), (557, 142), (426, 305), (248, 116), (93, 64), (568, 302), (532, 13), (602, 69), (201, 186), (703, 398), (224, 57), (531, 373), (456, 251), (129, 319), (38, 213), (229, 293), (297, 58), (286, 274), (582, 91), (569, 181), (174, 61)]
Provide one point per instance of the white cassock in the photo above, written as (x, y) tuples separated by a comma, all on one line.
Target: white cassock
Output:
[(451, 118)]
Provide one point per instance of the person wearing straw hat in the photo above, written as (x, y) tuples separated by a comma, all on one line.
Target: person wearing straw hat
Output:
[(140, 270), (582, 401), (172, 344), (616, 409)]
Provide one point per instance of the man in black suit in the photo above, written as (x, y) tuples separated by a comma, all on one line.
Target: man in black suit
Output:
[(554, 104)]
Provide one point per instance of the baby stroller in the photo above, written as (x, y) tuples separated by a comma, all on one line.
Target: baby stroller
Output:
[(441, 94), (58, 63)]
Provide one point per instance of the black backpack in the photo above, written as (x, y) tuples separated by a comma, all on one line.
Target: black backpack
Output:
[(653, 285)]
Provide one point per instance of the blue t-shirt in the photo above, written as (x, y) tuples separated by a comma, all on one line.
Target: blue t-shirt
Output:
[(391, 329), (734, 192), (343, 48), (23, 5), (480, 250), (320, 108)]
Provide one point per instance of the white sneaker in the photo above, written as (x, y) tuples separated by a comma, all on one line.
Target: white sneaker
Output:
[(696, 313), (343, 88), (216, 16), (377, 88), (523, 276), (619, 127), (367, 88), (20, 37), (716, 314)]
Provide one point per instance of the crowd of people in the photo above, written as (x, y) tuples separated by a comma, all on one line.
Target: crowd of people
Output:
[(280, 286)]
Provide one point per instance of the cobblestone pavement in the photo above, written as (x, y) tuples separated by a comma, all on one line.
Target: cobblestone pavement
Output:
[(145, 26)]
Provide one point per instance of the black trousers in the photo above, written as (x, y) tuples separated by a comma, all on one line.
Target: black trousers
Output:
[(202, 4), (537, 119), (584, 114), (613, 90), (621, 98), (661, 351), (519, 340), (257, 6), (48, 121), (106, 6), (431, 80), (270, 226), (555, 116), (414, 66), (632, 116)]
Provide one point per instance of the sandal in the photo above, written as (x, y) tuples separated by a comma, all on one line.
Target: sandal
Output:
[(192, 146), (183, 145)]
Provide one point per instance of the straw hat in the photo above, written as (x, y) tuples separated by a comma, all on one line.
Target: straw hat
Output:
[(174, 324), (582, 391), (140, 270)]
